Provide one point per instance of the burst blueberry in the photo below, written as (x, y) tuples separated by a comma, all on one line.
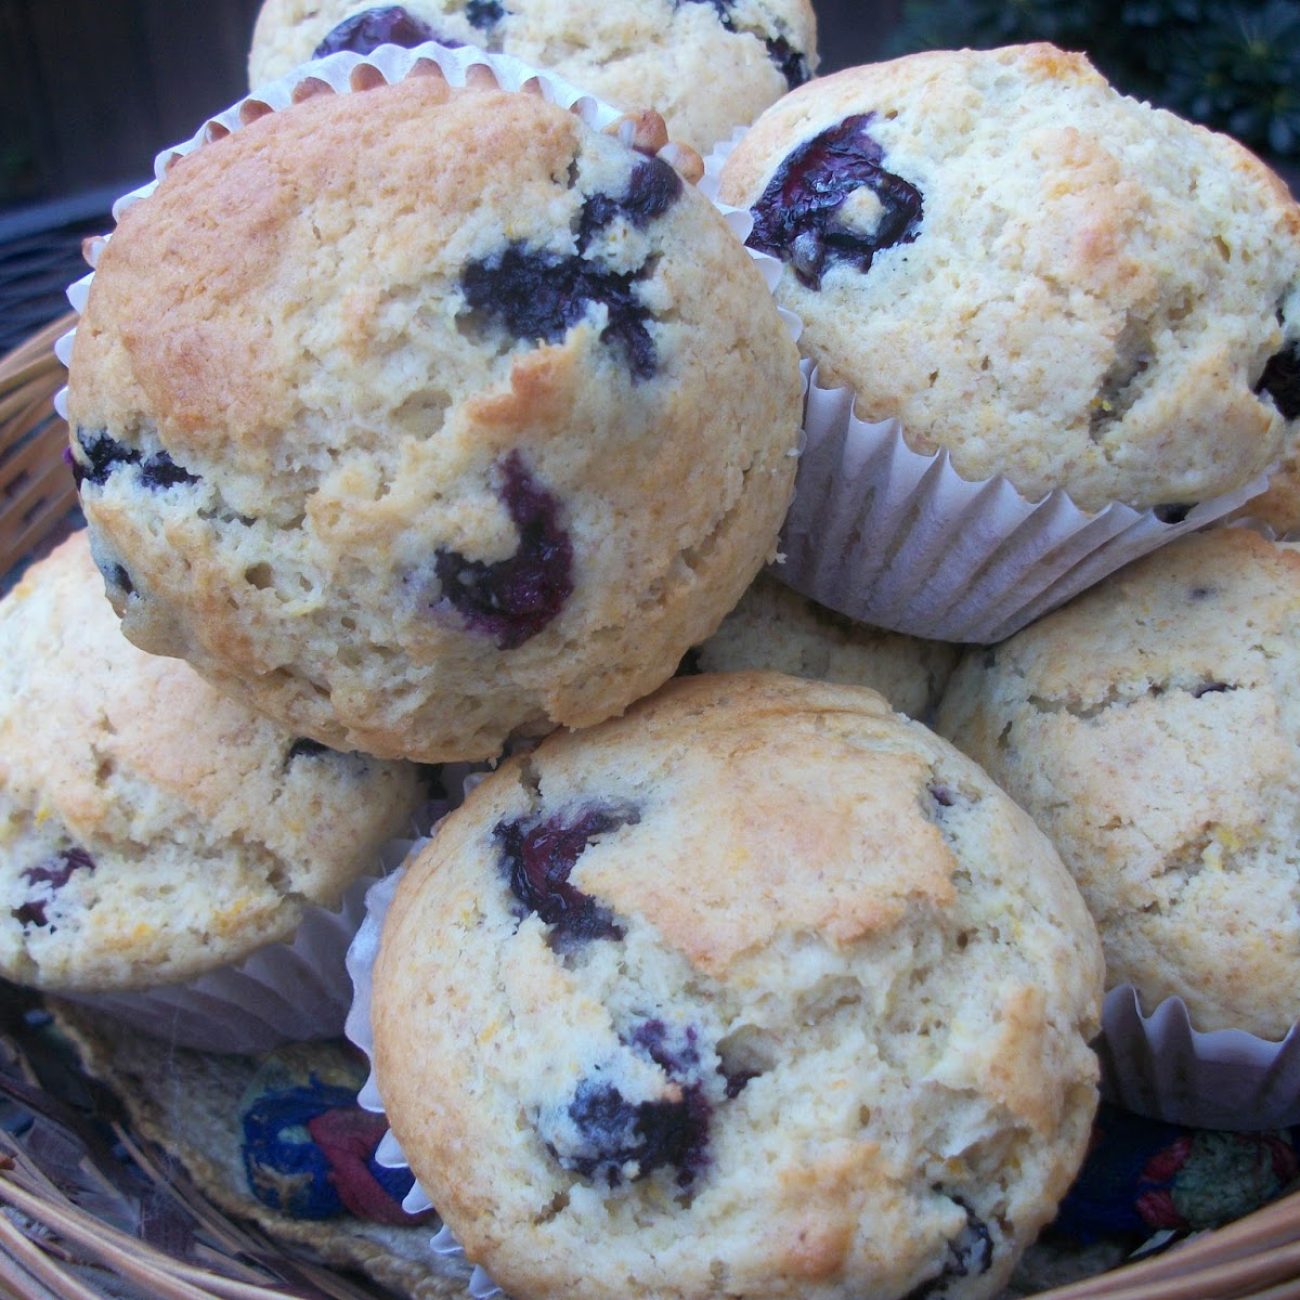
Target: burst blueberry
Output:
[(54, 872), (100, 455), (386, 25), (538, 856), (537, 294), (792, 63), (512, 600), (484, 14), (797, 216), (652, 189), (618, 1138), (970, 1254), (1281, 380)]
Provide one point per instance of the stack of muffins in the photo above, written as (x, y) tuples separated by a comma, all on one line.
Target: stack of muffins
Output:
[(428, 410)]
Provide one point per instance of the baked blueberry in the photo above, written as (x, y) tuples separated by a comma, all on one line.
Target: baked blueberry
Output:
[(512, 600), (538, 856), (55, 872), (386, 25), (616, 1139), (652, 189), (792, 63), (537, 294), (796, 218), (1281, 380), (484, 14), (100, 455)]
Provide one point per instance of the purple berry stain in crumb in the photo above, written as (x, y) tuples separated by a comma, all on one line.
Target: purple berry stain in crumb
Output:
[(54, 872), (537, 294), (103, 454), (512, 600), (538, 855), (1281, 380), (970, 1254), (615, 1134), (792, 63), (386, 25), (484, 14), (652, 189), (797, 216)]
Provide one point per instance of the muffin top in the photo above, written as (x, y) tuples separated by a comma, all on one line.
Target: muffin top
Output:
[(418, 417), (758, 990), (1152, 729), (776, 628), (1094, 295), (708, 66), (150, 829)]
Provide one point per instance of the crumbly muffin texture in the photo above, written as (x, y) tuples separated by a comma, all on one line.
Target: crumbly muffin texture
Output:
[(708, 66), (761, 990), (1152, 729), (151, 830), (776, 628), (420, 417), (1049, 280)]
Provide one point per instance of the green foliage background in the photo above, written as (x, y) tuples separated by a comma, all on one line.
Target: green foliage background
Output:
[(1233, 66)]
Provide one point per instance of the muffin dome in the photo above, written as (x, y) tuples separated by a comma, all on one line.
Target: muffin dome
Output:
[(1152, 729), (775, 628), (150, 829), (1049, 280), (418, 417), (760, 990), (708, 66)]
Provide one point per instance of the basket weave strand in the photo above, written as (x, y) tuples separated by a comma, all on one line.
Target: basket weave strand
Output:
[(45, 1236)]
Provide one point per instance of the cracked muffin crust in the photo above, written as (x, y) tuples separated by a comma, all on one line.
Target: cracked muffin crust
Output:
[(777, 629), (1152, 729), (761, 990), (1094, 295), (708, 66), (418, 417), (150, 829)]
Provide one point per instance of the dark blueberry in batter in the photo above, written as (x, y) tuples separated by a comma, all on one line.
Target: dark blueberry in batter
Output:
[(305, 748), (484, 13), (122, 579), (942, 795), (970, 1253), (368, 30), (512, 600), (791, 63), (538, 856), (104, 455), (795, 218), (678, 1060), (651, 1134), (1174, 512), (55, 872), (539, 295), (160, 471), (1281, 380), (652, 189)]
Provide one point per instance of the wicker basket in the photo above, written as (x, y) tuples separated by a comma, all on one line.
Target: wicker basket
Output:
[(53, 1243)]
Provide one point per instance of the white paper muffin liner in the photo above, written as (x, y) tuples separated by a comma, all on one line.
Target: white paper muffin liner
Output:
[(344, 73), (360, 964), (1159, 1065), (291, 991), (899, 539)]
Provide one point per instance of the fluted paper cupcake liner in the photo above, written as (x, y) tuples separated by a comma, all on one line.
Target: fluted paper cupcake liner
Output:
[(899, 539), (1159, 1065), (360, 964), (345, 73)]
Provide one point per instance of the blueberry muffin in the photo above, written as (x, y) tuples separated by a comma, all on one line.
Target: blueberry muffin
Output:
[(1094, 295), (761, 990), (1152, 729), (774, 627), (708, 66), (419, 417), (150, 829)]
